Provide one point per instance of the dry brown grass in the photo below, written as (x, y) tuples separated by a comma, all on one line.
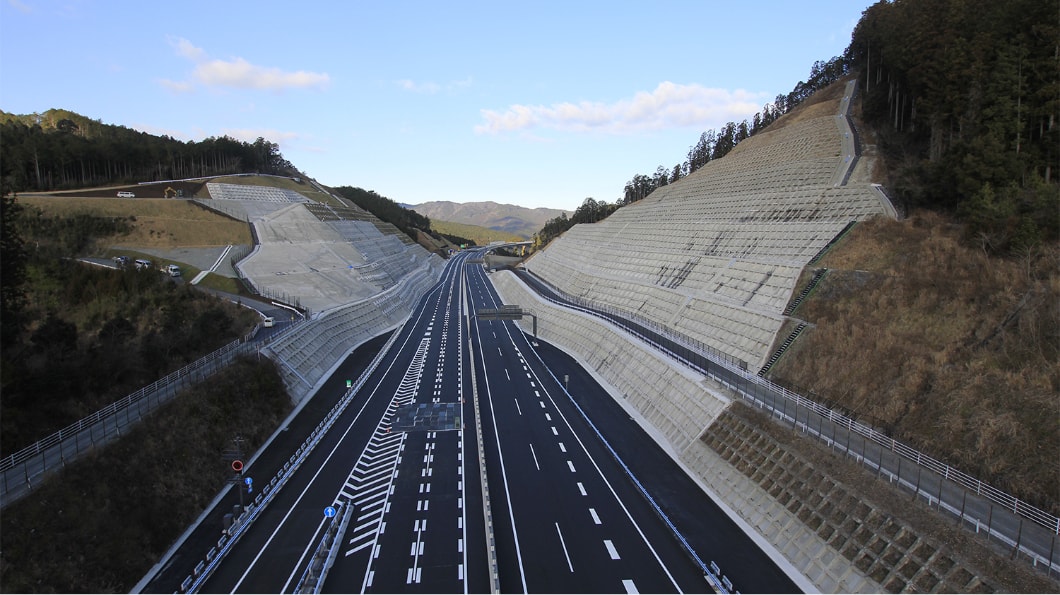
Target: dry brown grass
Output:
[(941, 346), (159, 223)]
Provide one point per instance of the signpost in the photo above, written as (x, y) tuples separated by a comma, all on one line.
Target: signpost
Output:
[(506, 312)]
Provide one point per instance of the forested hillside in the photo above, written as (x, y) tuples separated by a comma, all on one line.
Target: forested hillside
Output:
[(510, 220), (76, 337), (59, 149), (386, 209), (965, 95)]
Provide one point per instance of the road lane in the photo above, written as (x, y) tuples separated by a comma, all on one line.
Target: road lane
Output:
[(559, 500), (566, 512)]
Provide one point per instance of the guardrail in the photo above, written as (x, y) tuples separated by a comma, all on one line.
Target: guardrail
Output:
[(885, 456), (202, 571), (997, 496), (20, 470), (487, 510)]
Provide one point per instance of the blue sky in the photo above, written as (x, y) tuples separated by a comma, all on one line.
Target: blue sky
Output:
[(539, 104)]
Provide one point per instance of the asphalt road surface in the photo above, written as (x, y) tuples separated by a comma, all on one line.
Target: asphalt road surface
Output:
[(582, 500)]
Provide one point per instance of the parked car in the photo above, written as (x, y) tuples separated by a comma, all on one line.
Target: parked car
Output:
[(122, 262), (142, 263), (173, 270), (126, 195)]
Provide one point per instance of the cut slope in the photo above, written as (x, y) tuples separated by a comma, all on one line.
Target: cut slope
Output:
[(716, 255)]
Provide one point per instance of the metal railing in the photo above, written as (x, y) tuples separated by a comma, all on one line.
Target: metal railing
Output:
[(977, 505), (20, 470), (751, 386)]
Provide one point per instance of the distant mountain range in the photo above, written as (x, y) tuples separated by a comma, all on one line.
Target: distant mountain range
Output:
[(512, 219)]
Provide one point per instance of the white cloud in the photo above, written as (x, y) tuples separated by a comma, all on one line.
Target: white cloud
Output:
[(241, 74), (431, 87), (410, 85), (238, 73), (670, 105), (20, 6), (185, 49), (177, 86)]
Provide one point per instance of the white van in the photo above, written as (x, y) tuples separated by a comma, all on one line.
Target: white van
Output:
[(126, 195), (142, 264), (173, 270), (268, 322)]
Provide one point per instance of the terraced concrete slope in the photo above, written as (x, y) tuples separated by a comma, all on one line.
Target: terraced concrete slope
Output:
[(716, 255), (315, 255)]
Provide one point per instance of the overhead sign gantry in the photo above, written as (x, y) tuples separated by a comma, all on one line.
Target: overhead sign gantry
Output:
[(506, 312)]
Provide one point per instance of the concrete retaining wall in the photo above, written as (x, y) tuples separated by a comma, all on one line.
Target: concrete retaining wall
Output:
[(676, 402), (307, 354)]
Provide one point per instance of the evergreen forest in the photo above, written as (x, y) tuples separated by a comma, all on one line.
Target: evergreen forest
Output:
[(965, 97), (59, 150)]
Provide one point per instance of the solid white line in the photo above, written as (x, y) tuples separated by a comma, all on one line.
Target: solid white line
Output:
[(534, 454), (565, 553), (305, 552), (500, 453), (607, 483), (611, 549)]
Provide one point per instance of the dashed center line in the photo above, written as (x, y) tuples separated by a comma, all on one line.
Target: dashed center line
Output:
[(611, 550)]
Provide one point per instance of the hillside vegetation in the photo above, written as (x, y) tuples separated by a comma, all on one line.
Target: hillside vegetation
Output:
[(944, 330), (150, 223), (78, 337), (59, 149), (479, 235), (100, 524), (965, 95), (509, 220), (941, 346)]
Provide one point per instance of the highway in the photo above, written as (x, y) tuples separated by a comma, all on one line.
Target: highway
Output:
[(410, 519), (567, 513), (573, 521)]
